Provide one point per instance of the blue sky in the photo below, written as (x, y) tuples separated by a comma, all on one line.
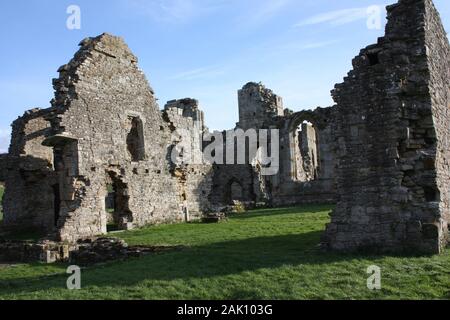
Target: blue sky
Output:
[(204, 49)]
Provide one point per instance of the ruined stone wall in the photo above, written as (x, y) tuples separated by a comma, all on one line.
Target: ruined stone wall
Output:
[(308, 150), (439, 66), (28, 201), (257, 106), (260, 108), (102, 102), (391, 129), (287, 188), (225, 176), (283, 188), (186, 122)]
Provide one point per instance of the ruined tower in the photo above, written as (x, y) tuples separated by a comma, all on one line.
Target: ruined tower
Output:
[(258, 106), (393, 139)]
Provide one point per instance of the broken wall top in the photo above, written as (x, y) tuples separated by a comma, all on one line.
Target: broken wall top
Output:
[(86, 63), (97, 96), (28, 132)]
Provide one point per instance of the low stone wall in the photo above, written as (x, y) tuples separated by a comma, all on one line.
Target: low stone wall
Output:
[(28, 252), (85, 252)]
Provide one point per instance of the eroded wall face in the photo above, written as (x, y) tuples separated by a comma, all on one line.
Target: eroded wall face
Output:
[(392, 155), (28, 201), (307, 164), (306, 160), (257, 106), (439, 66), (228, 179), (104, 131), (105, 109), (193, 175)]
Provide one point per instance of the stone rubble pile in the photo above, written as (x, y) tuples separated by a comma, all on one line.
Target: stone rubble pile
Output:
[(84, 252), (93, 251)]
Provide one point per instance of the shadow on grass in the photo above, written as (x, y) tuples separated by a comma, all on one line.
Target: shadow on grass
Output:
[(198, 262), (219, 259)]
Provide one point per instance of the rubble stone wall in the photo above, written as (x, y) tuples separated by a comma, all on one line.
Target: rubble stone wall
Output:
[(225, 176), (260, 108), (99, 95), (392, 129), (439, 68), (28, 201), (287, 189), (383, 151), (186, 121), (257, 106)]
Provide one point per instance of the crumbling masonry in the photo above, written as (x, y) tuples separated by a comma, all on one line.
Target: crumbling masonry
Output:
[(104, 129), (101, 154), (392, 128)]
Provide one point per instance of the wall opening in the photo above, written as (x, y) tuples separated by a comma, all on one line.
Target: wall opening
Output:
[(234, 192), (305, 161), (431, 194), (135, 140), (237, 193), (374, 59), (58, 160), (119, 215), (56, 203)]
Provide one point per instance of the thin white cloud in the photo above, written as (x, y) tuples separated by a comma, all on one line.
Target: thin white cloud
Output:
[(199, 73), (336, 18), (267, 10), (280, 50), (316, 45), (174, 11)]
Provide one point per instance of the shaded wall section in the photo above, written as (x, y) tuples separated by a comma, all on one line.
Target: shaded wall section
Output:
[(392, 136), (107, 125), (28, 201)]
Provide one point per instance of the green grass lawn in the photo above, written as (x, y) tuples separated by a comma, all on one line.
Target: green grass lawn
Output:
[(263, 254)]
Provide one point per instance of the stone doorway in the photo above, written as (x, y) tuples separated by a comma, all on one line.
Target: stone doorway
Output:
[(235, 192), (119, 215)]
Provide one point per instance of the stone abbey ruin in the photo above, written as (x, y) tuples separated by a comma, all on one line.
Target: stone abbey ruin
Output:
[(101, 153)]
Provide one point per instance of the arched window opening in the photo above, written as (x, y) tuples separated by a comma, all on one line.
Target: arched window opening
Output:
[(236, 191), (135, 140)]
